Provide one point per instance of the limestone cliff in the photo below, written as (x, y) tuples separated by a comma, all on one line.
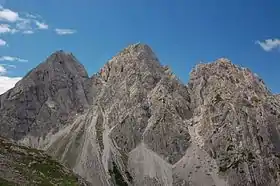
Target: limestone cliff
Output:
[(236, 120), (135, 123)]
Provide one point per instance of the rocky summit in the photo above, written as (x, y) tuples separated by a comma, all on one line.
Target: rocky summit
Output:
[(134, 123)]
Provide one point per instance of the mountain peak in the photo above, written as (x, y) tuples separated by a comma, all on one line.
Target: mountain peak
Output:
[(135, 116), (63, 61), (62, 53), (137, 46), (139, 50), (224, 60), (134, 58), (59, 80), (61, 56)]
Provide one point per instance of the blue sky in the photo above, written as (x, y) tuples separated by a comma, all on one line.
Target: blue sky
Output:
[(181, 33)]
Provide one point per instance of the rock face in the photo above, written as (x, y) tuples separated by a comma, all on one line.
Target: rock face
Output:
[(26, 166), (237, 122), (135, 123), (45, 99)]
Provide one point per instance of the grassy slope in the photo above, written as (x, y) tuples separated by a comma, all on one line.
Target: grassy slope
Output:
[(20, 165)]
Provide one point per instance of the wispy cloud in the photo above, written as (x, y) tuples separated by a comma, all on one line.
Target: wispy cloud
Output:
[(5, 28), (60, 31), (24, 24), (7, 83), (5, 67), (269, 44), (20, 22), (3, 42), (8, 15), (9, 66), (32, 16), (3, 70), (11, 58), (28, 32), (41, 25)]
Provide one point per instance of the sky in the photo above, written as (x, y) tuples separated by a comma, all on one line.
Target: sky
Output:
[(180, 32)]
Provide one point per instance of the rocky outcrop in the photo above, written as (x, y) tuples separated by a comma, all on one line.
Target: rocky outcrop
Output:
[(135, 102), (135, 123), (236, 120), (45, 99)]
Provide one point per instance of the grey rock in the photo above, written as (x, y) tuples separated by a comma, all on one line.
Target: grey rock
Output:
[(236, 121), (135, 123), (45, 99)]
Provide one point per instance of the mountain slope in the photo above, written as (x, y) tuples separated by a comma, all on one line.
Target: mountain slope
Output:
[(26, 166), (135, 123), (237, 121), (134, 106), (45, 99)]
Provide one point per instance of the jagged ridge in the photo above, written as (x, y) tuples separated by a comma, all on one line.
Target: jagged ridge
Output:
[(134, 123)]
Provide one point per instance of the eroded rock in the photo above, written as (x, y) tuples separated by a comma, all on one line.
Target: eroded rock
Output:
[(135, 123)]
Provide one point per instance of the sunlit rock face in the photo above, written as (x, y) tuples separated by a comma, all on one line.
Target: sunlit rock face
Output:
[(135, 123), (236, 120)]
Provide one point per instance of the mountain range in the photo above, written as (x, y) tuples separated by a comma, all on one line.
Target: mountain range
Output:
[(135, 123)]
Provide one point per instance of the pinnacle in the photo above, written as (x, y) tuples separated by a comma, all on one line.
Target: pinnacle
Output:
[(223, 60), (60, 56), (136, 49), (220, 62), (61, 53), (61, 61), (138, 46)]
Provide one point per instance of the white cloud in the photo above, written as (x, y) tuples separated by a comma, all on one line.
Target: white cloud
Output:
[(12, 66), (28, 32), (65, 31), (7, 83), (10, 58), (8, 15), (5, 28), (269, 44), (2, 42), (24, 24), (42, 26), (9, 65), (3, 70), (32, 16)]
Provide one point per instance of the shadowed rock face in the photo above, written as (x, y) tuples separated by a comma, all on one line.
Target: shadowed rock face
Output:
[(44, 99), (135, 123)]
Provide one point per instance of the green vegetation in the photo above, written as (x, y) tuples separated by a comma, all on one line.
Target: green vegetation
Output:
[(4, 182), (115, 173), (99, 131), (236, 159), (130, 179), (218, 98), (32, 167)]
